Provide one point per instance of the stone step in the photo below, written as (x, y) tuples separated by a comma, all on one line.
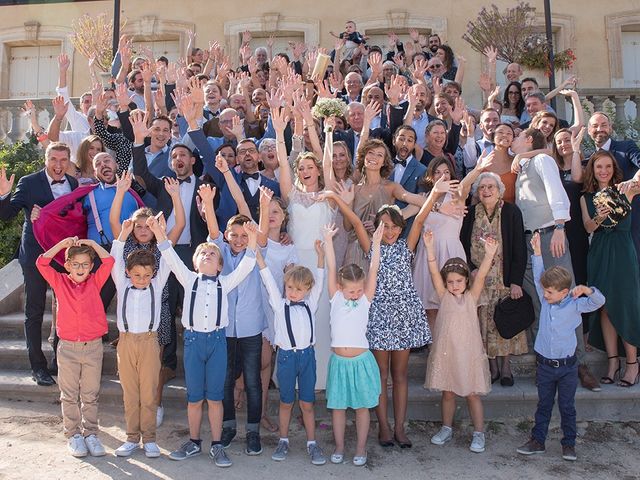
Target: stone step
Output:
[(613, 403), (12, 325)]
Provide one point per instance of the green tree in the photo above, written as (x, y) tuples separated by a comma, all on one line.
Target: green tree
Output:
[(20, 158)]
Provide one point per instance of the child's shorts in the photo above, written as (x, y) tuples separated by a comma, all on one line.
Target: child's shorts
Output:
[(353, 382), (297, 365), (205, 364)]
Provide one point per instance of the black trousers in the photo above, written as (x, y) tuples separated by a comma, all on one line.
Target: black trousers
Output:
[(176, 297), (35, 289)]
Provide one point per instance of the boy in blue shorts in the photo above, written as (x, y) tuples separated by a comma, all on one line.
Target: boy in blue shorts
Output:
[(294, 324), (555, 346), (205, 318)]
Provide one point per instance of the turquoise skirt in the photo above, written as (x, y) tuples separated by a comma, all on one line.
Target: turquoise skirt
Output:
[(353, 382)]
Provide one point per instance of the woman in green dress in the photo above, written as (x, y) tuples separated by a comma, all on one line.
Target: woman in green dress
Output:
[(612, 266)]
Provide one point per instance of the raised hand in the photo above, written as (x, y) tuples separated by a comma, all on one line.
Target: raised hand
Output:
[(265, 196), (246, 37), (172, 186), (329, 231), (122, 96), (453, 209), (138, 120), (491, 53), (221, 164), (252, 232), (123, 182), (458, 110), (535, 244), (579, 290), (63, 62), (446, 186), (576, 140), (427, 238), (278, 119), (371, 111), (127, 228), (394, 90), (414, 35), (59, 107), (207, 192), (345, 192), (237, 128)]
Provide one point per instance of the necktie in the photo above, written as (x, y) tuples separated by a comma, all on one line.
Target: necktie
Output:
[(182, 180), (351, 303), (255, 176), (297, 304), (55, 182)]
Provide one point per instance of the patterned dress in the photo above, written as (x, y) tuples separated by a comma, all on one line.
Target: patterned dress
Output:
[(164, 328), (396, 318), (494, 288)]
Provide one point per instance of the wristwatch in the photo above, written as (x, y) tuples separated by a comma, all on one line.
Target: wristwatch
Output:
[(559, 226)]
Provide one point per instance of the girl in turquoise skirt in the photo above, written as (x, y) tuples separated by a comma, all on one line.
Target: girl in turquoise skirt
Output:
[(353, 378)]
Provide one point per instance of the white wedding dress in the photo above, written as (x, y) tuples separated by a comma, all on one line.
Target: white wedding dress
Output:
[(306, 219)]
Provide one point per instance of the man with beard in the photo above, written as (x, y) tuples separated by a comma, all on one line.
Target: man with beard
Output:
[(407, 169), (489, 120), (33, 192)]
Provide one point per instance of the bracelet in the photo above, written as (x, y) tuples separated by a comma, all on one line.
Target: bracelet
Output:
[(227, 170), (280, 141), (596, 221), (42, 136)]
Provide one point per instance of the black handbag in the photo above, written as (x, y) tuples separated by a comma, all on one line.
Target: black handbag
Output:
[(514, 316)]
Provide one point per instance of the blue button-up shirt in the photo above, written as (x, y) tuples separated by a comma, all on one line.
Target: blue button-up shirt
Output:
[(246, 312), (556, 337), (104, 195)]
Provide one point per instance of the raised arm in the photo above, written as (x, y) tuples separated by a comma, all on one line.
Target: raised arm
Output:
[(372, 279), (234, 188), (343, 198), (441, 186), (263, 226), (279, 124), (436, 278), (172, 186), (328, 232), (327, 157), (490, 249), (123, 184), (152, 183), (578, 111), (60, 111), (206, 195)]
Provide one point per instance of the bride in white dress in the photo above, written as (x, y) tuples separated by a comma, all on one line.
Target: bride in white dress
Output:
[(308, 213)]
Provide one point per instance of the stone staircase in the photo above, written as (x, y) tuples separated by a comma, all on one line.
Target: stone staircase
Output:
[(518, 402)]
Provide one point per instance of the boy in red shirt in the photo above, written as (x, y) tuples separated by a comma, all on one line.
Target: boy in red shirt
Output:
[(81, 323)]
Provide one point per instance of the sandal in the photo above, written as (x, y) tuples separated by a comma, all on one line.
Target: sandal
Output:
[(608, 380), (626, 383)]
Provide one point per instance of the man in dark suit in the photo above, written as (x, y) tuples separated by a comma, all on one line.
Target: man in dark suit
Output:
[(32, 193), (249, 179), (355, 118), (195, 230), (627, 154), (407, 170)]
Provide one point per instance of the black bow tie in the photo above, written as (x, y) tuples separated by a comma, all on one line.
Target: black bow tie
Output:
[(297, 304), (182, 180), (61, 182), (255, 176), (397, 161), (136, 288), (213, 278)]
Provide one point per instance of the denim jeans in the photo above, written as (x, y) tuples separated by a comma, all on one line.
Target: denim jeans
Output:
[(248, 352), (564, 379)]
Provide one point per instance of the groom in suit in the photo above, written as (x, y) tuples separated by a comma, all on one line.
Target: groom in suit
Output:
[(407, 170), (33, 192), (627, 154)]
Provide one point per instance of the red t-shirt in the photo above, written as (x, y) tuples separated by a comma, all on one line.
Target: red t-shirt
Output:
[(80, 314)]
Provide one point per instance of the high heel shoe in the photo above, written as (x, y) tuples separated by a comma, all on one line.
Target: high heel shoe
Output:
[(625, 383), (608, 380)]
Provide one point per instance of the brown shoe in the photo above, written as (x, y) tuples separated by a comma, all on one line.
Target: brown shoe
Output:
[(587, 380), (569, 453), (531, 447)]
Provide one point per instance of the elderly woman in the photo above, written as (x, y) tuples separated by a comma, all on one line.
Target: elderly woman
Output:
[(502, 221)]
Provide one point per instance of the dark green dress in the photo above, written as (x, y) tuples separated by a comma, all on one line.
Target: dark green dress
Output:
[(612, 267)]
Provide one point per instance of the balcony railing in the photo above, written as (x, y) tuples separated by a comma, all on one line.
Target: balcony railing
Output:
[(14, 125)]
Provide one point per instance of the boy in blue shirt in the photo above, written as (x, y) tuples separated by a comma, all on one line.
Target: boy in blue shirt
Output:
[(555, 346)]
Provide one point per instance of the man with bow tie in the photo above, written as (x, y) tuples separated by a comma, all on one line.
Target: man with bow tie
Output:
[(33, 192), (489, 120), (407, 170)]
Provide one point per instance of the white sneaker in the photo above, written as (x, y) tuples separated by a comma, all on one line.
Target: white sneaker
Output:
[(77, 447), (126, 449), (159, 415), (443, 436), (95, 447), (151, 450), (477, 444)]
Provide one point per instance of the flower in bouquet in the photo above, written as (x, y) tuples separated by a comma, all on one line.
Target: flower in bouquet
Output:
[(328, 107)]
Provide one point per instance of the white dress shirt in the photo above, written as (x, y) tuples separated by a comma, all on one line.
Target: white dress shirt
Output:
[(59, 189), (186, 197)]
